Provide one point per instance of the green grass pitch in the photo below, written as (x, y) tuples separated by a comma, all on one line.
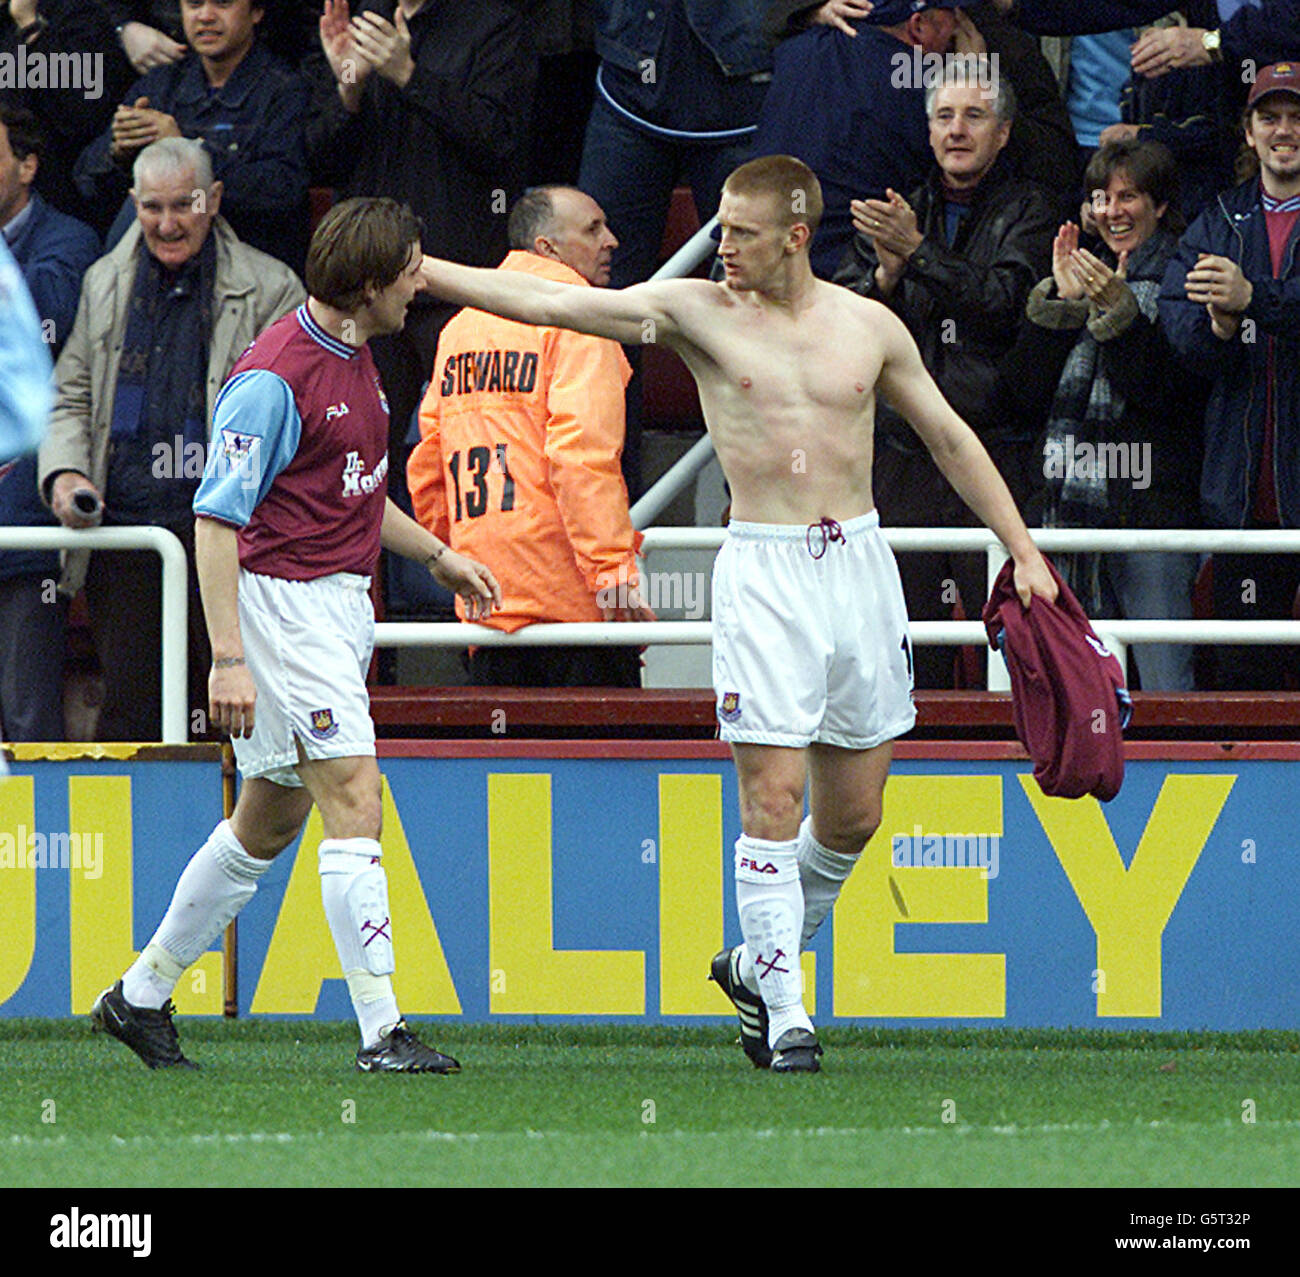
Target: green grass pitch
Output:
[(279, 1104)]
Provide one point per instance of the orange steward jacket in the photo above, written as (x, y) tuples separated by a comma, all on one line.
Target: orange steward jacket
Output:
[(521, 432)]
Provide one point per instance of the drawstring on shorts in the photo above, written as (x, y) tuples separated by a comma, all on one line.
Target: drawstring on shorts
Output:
[(830, 532)]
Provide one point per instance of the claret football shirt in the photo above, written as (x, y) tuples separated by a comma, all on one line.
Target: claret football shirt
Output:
[(299, 455)]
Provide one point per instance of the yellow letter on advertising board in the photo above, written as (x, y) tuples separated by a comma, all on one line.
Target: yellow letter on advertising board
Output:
[(1128, 909), (692, 865), (690, 892), (530, 976), (17, 883), (101, 913), (302, 954), (871, 979)]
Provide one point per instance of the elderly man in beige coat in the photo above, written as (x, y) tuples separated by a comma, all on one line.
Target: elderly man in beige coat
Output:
[(161, 321)]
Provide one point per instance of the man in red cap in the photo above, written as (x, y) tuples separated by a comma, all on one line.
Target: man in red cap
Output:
[(1231, 307)]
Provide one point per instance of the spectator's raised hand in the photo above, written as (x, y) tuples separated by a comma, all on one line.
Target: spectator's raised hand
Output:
[(23, 12), (891, 224), (386, 48), (159, 123), (345, 60), (1164, 49), (1118, 133), (841, 14), (1104, 287), (146, 47), (1069, 287), (872, 219), (133, 128), (1088, 217), (894, 263), (1218, 282), (967, 37)]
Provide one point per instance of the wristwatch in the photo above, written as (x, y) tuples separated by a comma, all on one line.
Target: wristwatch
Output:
[(1213, 45)]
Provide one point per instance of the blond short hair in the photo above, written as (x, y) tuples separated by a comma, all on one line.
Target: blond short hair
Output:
[(789, 183)]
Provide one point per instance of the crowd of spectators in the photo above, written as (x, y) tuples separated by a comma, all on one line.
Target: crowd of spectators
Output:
[(1086, 214)]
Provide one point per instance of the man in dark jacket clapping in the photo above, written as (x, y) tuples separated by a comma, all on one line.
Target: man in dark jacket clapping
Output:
[(956, 261)]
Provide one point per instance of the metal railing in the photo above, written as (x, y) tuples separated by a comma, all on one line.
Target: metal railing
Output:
[(660, 495), (408, 634), (175, 599), (674, 480), (1117, 634)]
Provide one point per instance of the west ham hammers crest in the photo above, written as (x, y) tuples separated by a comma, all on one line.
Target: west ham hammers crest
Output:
[(323, 725)]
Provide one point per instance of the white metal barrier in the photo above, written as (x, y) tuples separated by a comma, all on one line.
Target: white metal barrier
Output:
[(657, 498), (1115, 633), (407, 634), (691, 254), (661, 493), (175, 599)]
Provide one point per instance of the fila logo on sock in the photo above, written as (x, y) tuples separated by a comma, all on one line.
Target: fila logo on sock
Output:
[(755, 867)]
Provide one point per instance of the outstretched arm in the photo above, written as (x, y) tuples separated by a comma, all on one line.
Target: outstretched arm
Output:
[(959, 454), (638, 315)]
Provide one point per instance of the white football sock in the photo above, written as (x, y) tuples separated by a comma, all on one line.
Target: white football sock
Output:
[(354, 892), (745, 969), (220, 879), (770, 902), (822, 873), (374, 1004)]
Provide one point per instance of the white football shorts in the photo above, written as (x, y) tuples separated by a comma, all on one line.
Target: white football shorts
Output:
[(810, 638), (308, 646)]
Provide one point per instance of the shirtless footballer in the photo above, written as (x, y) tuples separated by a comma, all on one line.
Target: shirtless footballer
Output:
[(811, 658)]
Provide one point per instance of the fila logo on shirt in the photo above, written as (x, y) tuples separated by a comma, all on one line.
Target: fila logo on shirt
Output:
[(336, 410), (1097, 646), (356, 482)]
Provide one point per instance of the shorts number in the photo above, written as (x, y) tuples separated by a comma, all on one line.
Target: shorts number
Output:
[(478, 461)]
